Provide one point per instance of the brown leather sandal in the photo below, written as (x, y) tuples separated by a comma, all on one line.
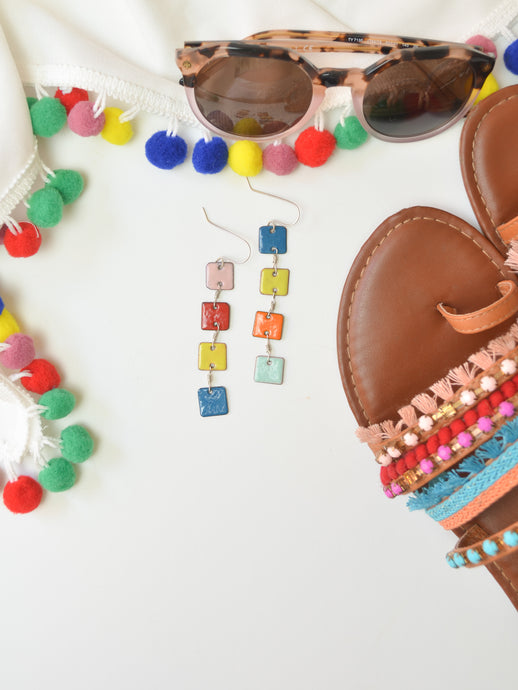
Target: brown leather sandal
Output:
[(428, 355), (489, 164)]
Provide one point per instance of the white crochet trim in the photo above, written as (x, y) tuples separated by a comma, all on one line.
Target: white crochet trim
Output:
[(497, 23), (21, 186), (148, 100)]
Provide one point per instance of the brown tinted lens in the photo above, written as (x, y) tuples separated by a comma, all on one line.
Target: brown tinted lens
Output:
[(416, 97), (253, 96)]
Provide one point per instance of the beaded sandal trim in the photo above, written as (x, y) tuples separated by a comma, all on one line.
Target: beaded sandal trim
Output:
[(450, 389), (448, 454), (485, 551)]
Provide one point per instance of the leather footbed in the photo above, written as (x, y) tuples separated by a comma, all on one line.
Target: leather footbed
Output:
[(392, 341), (489, 161)]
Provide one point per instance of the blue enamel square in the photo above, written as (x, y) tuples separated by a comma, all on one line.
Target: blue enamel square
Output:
[(213, 402), (269, 369), (271, 238)]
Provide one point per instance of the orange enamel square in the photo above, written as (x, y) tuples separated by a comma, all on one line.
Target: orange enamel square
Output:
[(268, 325)]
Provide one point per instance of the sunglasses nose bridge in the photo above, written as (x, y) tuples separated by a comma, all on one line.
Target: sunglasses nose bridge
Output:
[(351, 76)]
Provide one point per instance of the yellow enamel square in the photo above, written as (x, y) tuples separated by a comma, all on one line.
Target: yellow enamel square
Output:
[(269, 281), (212, 354)]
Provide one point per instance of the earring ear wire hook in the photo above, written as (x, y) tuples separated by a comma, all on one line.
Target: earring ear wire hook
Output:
[(234, 234), (281, 198)]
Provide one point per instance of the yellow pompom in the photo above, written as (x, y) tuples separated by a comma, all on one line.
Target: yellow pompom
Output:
[(8, 325), (115, 131), (245, 158), (247, 126), (488, 87)]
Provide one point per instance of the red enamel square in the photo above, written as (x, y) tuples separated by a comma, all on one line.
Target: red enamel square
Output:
[(212, 315), (268, 325)]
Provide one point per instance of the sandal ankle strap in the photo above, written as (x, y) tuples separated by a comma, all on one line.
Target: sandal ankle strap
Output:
[(485, 550)]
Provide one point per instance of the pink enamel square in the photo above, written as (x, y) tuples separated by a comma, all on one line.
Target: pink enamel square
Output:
[(220, 275)]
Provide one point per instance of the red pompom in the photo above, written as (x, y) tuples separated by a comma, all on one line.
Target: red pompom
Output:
[(410, 459), (392, 471), (432, 444), (457, 426), (420, 452), (22, 495), (508, 389), (384, 476), (470, 417), (70, 98), (484, 409), (313, 147), (401, 466), (444, 435), (44, 376), (25, 243), (495, 399)]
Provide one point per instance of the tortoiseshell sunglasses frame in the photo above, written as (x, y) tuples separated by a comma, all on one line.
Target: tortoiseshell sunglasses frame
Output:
[(289, 44)]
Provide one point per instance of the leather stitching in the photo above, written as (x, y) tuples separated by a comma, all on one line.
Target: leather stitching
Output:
[(482, 197), (367, 262)]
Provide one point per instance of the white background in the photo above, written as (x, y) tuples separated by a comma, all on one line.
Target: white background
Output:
[(253, 551)]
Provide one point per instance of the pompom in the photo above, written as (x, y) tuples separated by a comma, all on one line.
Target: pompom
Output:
[(48, 116), (115, 131), (209, 157), (58, 475), (279, 159), (511, 57), (43, 378), (69, 97), (245, 158), (488, 87), (20, 352), (45, 207), (247, 127), (313, 146), (165, 151), (76, 443), (22, 495), (31, 100), (69, 184), (24, 243), (82, 120), (8, 325), (483, 42), (350, 134), (59, 403)]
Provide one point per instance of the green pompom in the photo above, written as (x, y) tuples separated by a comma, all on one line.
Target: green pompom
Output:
[(351, 134), (31, 100), (76, 443), (58, 475), (48, 116), (69, 184), (58, 402), (45, 207)]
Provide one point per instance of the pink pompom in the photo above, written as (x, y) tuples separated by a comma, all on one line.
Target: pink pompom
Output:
[(279, 159), (444, 452), (82, 121), (506, 409), (388, 493), (483, 42), (20, 352), (427, 466), (396, 489), (465, 439), (485, 424)]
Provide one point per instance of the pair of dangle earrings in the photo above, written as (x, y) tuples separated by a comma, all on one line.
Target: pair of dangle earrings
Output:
[(215, 315)]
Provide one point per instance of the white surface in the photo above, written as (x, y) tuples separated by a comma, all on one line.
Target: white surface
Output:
[(253, 551)]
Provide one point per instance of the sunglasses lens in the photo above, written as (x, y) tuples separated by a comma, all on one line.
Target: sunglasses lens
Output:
[(253, 96), (417, 97)]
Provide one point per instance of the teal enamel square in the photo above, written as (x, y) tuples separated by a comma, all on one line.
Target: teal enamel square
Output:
[(269, 370)]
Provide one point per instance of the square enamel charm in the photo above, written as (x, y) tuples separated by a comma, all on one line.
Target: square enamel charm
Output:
[(273, 239), (269, 369), (212, 356), (214, 316), (274, 279), (268, 325), (213, 402), (220, 275)]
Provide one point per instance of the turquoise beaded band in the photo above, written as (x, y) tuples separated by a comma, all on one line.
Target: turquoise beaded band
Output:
[(485, 551)]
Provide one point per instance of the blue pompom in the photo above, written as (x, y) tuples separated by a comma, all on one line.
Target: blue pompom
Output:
[(165, 151), (209, 157), (511, 57)]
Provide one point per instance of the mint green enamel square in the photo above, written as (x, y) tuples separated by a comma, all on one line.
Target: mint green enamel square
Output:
[(269, 370)]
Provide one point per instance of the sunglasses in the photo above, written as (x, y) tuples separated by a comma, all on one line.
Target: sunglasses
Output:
[(264, 86)]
